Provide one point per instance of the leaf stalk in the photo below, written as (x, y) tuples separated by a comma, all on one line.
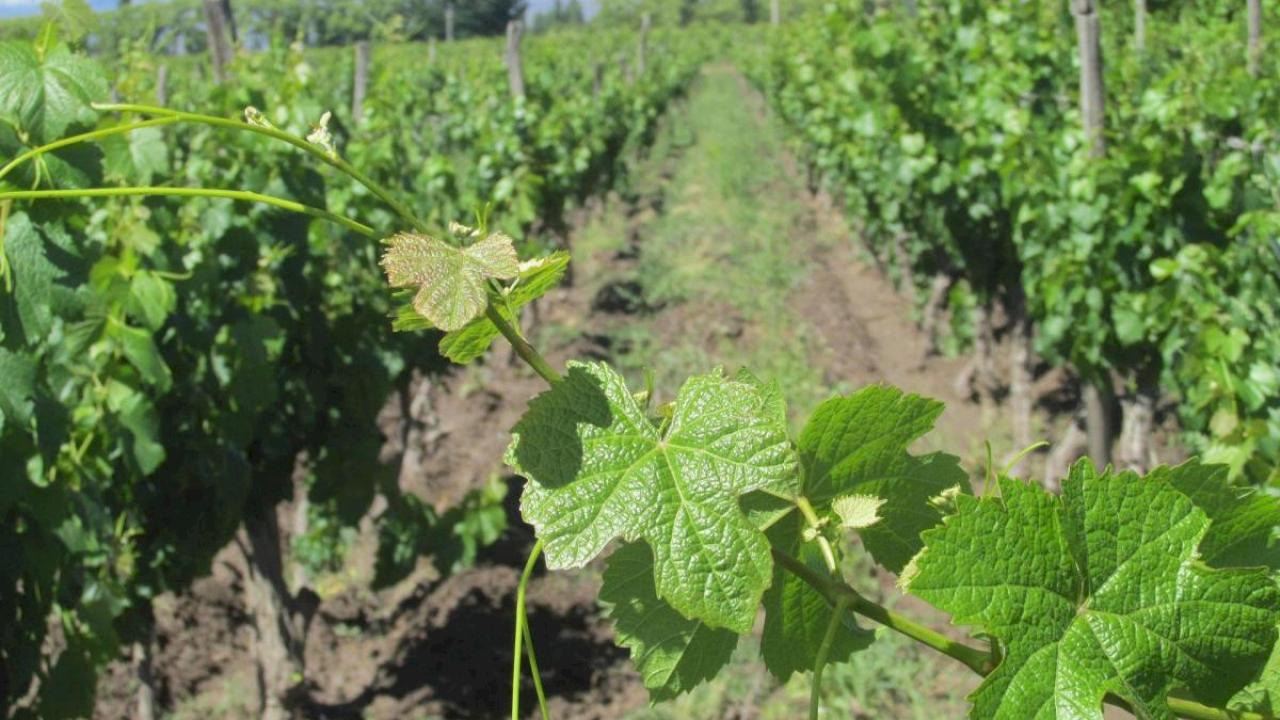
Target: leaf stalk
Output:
[(522, 625), (527, 352), (301, 143), (244, 195)]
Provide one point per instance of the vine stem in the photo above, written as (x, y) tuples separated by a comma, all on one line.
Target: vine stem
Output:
[(195, 192), (527, 352), (301, 143), (979, 661), (83, 137), (833, 591), (824, 651), (522, 624)]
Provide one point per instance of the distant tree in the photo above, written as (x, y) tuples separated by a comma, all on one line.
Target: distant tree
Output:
[(487, 17), (562, 14)]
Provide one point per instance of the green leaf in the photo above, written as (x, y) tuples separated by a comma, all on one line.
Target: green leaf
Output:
[(151, 299), (1099, 591), (1243, 519), (451, 281), (42, 97), (139, 156), (141, 352), (139, 417), (17, 387), (33, 276), (1263, 694), (857, 444), (599, 469), (672, 653)]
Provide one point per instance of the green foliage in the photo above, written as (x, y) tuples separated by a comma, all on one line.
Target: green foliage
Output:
[(672, 652), (1097, 592), (966, 161), (600, 467)]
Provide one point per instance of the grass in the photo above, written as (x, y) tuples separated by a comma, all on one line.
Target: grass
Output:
[(720, 250)]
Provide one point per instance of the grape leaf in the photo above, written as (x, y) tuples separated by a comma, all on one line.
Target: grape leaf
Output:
[(450, 281), (1099, 591), (536, 277), (1263, 694), (43, 96), (858, 444), (599, 468), (138, 156), (1243, 520), (33, 276), (17, 386), (673, 653)]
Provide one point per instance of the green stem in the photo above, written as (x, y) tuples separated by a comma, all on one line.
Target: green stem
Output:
[(298, 142), (976, 660), (533, 668), (522, 347), (83, 137), (521, 624), (194, 192), (824, 651), (833, 590)]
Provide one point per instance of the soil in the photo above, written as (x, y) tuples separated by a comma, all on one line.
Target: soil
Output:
[(433, 647)]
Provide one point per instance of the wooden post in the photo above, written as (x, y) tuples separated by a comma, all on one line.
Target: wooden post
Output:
[(215, 29), (448, 22), (515, 70), (597, 81), (162, 85), (1092, 93), (1097, 390), (431, 50), (361, 82), (1140, 25), (775, 13), (1255, 37), (229, 18), (644, 41)]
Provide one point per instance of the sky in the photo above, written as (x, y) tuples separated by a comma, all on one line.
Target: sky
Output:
[(16, 8)]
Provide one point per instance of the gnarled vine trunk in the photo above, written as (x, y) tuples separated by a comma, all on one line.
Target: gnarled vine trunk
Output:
[(280, 620), (145, 707), (1066, 451), (1137, 422), (938, 290)]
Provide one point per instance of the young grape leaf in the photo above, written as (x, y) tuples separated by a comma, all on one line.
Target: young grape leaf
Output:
[(672, 653), (536, 277), (858, 444), (450, 281), (1099, 591), (43, 96), (599, 468), (1243, 519)]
